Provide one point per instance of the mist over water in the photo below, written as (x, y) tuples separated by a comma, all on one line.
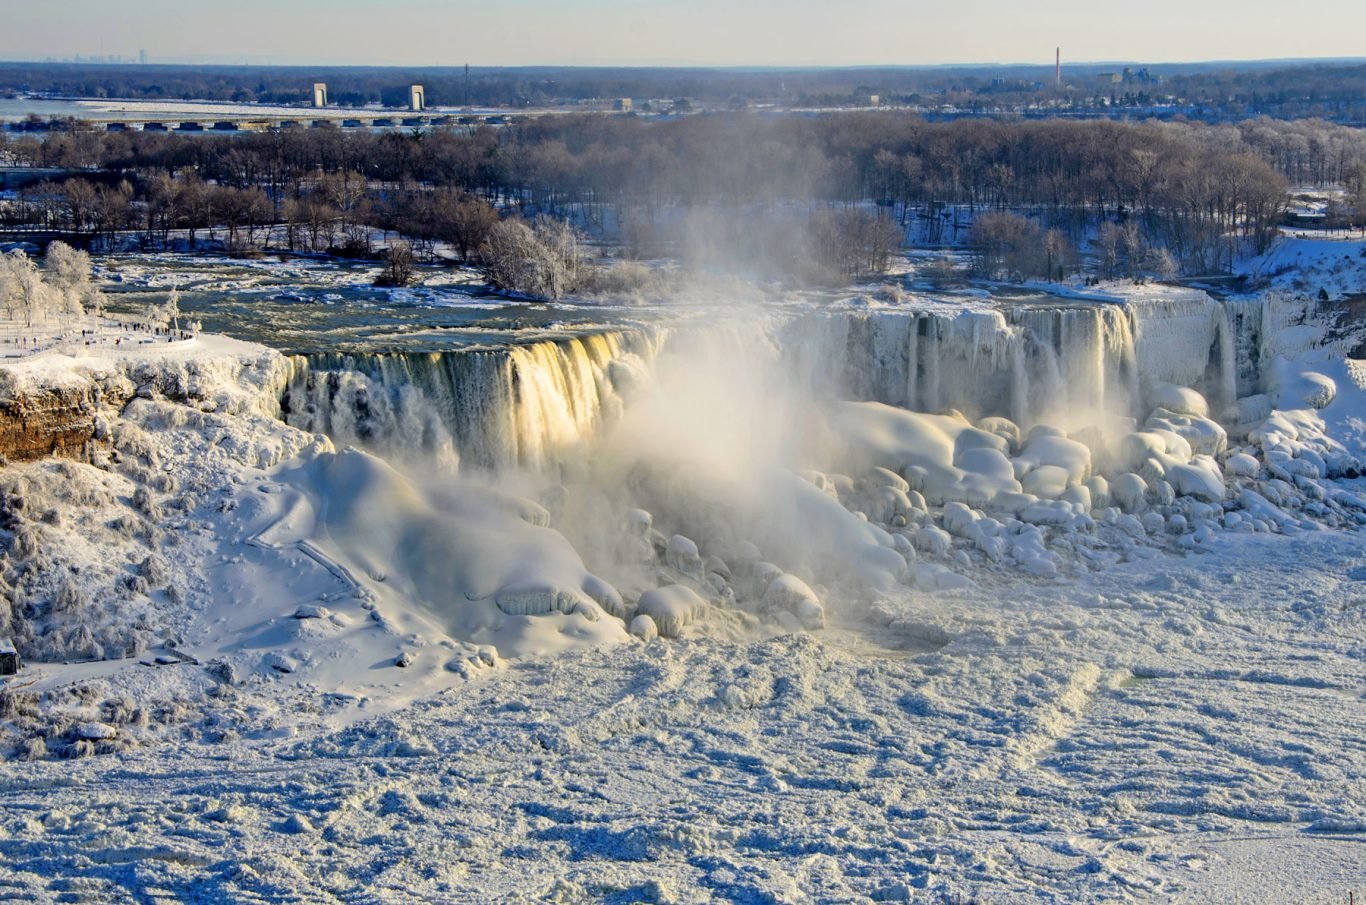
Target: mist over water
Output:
[(719, 440), (751, 436)]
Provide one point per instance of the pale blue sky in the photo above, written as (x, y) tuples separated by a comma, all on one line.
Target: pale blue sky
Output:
[(671, 32)]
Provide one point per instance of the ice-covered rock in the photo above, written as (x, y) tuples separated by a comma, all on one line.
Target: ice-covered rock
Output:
[(1204, 436), (1046, 481), (1161, 493), (1100, 491), (643, 627), (1178, 399), (637, 522), (932, 540), (1079, 496), (1003, 428), (1201, 479), (682, 554), (1053, 449), (1242, 465), (790, 593), (885, 477), (672, 608), (1305, 389), (937, 577), (1130, 491), (95, 732)]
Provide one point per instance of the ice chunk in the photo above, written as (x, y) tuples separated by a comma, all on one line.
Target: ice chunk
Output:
[(672, 608), (1004, 428), (1046, 481), (932, 540), (1130, 491), (682, 555), (643, 627), (1242, 465), (1200, 479), (790, 593), (1203, 435), (1178, 399)]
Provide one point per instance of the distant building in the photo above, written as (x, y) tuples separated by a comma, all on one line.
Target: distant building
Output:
[(320, 94), (417, 99), (142, 57), (867, 100), (622, 105)]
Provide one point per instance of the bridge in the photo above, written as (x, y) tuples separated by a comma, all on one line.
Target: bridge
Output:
[(306, 119)]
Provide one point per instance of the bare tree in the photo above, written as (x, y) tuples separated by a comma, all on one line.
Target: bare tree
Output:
[(398, 266)]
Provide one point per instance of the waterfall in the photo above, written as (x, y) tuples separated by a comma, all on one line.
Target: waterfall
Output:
[(488, 408), (1187, 338), (530, 404)]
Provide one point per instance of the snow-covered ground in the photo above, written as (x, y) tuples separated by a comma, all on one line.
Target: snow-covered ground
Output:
[(1177, 729), (1127, 664)]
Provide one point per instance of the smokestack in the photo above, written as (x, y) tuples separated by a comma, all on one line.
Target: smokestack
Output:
[(1057, 67)]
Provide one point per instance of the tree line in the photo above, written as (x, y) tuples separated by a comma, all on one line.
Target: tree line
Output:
[(1195, 192)]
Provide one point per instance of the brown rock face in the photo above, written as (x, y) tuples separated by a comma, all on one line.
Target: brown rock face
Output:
[(53, 420)]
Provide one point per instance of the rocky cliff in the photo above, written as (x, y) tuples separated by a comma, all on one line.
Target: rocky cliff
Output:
[(53, 405)]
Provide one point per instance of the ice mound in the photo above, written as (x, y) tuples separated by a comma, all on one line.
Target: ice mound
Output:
[(923, 448), (671, 608), (1177, 399), (1302, 389), (476, 561)]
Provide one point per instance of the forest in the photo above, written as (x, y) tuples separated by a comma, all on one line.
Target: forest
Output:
[(1183, 196)]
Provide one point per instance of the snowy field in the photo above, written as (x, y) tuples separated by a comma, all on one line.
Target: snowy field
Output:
[(717, 626), (1176, 730)]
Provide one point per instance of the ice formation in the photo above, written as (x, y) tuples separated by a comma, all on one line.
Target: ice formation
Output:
[(764, 473)]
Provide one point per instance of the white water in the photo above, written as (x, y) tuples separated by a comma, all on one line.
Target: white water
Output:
[(495, 409)]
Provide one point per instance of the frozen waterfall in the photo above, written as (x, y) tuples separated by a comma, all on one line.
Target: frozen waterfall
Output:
[(528, 404)]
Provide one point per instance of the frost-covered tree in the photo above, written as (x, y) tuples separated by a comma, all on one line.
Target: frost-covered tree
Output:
[(67, 273), (544, 260), (170, 312), (22, 290), (167, 314)]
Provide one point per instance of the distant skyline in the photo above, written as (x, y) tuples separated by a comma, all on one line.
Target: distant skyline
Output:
[(673, 33)]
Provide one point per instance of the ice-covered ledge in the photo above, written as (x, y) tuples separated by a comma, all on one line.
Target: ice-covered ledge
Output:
[(51, 401)]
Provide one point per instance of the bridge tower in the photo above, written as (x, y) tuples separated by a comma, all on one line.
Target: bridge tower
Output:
[(417, 99), (320, 94)]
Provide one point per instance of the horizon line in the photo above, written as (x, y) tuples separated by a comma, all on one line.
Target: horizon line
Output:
[(192, 63)]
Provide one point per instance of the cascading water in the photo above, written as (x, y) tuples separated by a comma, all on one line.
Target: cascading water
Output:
[(527, 404), (1025, 363), (489, 408), (1187, 338)]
